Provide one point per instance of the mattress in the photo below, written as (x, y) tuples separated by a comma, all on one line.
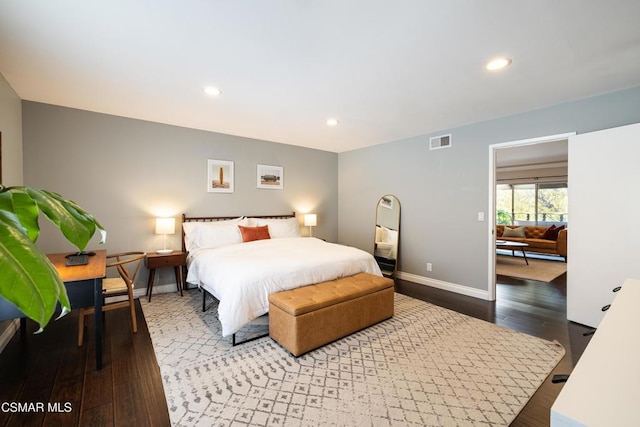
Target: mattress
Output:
[(241, 276)]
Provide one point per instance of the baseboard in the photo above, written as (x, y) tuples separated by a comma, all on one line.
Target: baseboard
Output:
[(439, 284), (8, 333)]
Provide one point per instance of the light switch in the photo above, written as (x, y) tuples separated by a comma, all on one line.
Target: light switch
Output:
[(480, 216)]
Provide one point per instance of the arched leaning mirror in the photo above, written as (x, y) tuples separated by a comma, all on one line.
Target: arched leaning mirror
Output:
[(387, 235)]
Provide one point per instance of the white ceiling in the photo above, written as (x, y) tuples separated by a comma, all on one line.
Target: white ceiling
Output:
[(386, 70)]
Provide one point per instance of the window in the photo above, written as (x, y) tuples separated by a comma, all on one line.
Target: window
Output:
[(532, 204)]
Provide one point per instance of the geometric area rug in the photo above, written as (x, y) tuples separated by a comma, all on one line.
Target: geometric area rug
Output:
[(426, 366)]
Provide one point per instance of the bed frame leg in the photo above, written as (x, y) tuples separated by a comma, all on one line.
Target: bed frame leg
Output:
[(235, 343), (233, 336)]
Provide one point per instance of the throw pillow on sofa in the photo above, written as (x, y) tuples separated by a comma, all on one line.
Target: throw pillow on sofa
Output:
[(552, 232), (513, 232), (549, 233)]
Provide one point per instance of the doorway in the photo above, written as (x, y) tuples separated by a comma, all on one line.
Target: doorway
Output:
[(517, 156)]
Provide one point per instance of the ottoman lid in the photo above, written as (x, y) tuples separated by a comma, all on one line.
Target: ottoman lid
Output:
[(314, 297)]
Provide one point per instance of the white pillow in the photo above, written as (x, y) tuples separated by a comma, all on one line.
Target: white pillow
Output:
[(390, 236), (279, 228), (198, 235)]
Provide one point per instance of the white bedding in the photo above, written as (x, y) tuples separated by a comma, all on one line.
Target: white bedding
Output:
[(386, 242), (385, 250), (241, 276)]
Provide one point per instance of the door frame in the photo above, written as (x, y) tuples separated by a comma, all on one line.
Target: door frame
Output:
[(491, 220)]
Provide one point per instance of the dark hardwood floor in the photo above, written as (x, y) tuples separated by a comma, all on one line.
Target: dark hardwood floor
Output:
[(50, 368)]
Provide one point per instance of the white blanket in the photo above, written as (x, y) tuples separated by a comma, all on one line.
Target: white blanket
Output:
[(242, 276)]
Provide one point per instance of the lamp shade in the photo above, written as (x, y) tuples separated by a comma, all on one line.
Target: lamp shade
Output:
[(310, 220), (165, 226)]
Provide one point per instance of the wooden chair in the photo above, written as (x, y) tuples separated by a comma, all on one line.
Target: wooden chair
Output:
[(127, 264)]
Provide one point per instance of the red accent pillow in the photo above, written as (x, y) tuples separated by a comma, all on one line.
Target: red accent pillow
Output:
[(250, 234), (548, 234), (552, 232)]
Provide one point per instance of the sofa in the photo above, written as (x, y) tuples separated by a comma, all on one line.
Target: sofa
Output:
[(533, 236)]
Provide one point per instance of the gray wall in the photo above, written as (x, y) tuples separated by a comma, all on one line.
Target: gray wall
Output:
[(11, 130), (126, 172), (442, 191)]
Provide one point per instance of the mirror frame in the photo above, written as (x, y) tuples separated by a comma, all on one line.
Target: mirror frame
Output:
[(388, 273)]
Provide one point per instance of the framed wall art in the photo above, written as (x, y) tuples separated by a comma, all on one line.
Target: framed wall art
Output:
[(219, 176), (270, 177)]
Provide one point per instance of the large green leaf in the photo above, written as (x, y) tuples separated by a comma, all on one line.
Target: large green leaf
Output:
[(80, 214), (77, 228), (73, 205), (6, 206), (29, 280), (26, 210), (27, 277)]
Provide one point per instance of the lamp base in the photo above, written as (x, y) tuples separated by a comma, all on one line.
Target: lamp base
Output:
[(164, 251)]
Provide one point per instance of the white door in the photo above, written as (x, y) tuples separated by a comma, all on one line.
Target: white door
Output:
[(604, 219)]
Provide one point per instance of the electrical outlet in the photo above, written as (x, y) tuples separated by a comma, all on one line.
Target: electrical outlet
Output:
[(429, 266), (480, 216)]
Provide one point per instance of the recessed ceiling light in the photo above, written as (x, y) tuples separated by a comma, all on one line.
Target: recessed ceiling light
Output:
[(498, 64), (212, 91), (332, 122)]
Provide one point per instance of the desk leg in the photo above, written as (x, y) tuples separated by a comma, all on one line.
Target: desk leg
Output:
[(178, 273), (152, 277), (97, 305), (524, 254)]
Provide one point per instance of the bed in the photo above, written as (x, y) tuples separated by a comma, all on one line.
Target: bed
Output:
[(231, 259)]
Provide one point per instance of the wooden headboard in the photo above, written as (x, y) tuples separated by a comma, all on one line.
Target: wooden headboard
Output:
[(186, 218)]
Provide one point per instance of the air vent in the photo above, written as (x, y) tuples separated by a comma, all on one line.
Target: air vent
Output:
[(442, 141)]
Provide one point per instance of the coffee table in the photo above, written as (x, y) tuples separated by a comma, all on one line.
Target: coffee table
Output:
[(513, 247)]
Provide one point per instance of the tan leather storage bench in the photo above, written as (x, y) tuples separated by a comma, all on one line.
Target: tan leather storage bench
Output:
[(306, 318)]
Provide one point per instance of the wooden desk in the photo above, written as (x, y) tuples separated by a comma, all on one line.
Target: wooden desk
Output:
[(84, 288), (79, 280)]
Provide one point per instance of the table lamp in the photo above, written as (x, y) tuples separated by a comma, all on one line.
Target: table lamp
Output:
[(165, 226), (310, 220)]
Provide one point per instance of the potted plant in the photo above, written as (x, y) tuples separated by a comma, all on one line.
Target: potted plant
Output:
[(27, 277)]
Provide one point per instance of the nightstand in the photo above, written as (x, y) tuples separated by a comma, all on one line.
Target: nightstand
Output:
[(176, 259)]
